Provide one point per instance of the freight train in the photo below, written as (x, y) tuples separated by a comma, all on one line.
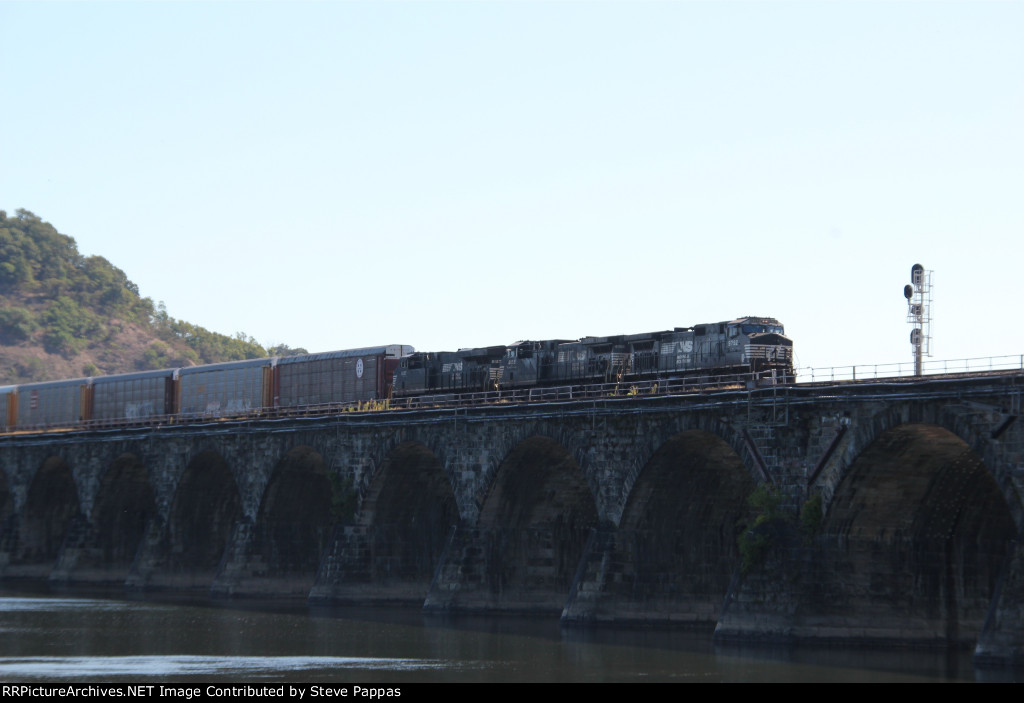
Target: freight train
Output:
[(341, 378)]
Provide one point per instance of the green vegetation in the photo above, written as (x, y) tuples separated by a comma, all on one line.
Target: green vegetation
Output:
[(756, 539), (68, 327), (39, 261), (54, 299), (285, 350), (772, 524), (16, 325), (207, 347)]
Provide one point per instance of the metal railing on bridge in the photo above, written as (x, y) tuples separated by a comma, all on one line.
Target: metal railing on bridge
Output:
[(438, 400), (948, 367), (622, 389), (695, 385)]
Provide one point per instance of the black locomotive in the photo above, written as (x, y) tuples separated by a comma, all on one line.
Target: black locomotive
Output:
[(749, 344)]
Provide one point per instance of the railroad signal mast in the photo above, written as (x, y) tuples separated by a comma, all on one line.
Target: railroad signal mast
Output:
[(919, 313)]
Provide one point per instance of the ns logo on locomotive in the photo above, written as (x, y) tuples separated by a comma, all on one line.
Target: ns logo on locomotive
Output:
[(283, 385)]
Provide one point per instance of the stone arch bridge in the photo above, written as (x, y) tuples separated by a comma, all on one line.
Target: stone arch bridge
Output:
[(885, 511)]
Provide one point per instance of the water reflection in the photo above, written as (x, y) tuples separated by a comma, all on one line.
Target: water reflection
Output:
[(69, 637), (200, 667)]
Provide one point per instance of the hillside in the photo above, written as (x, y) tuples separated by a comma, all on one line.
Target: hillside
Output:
[(63, 315)]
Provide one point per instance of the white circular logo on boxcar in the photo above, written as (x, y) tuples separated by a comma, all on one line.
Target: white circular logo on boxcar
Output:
[(359, 368)]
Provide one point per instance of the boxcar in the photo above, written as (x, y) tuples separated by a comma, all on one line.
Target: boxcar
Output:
[(227, 389), (133, 396), (345, 376), (54, 403), (8, 407)]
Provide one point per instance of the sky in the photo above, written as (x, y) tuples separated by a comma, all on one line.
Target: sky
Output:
[(334, 175)]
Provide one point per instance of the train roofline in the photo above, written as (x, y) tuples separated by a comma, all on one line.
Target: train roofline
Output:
[(392, 350)]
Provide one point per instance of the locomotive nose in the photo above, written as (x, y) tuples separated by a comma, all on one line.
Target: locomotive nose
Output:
[(773, 338)]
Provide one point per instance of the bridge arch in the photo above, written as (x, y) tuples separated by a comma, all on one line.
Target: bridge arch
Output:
[(410, 474), (695, 483), (538, 481), (52, 506), (204, 509), (668, 434), (295, 520), (675, 549), (574, 441), (534, 524), (919, 522), (407, 513), (864, 433), (121, 512)]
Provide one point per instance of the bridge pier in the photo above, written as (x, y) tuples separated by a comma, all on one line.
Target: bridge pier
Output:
[(1002, 638), (506, 570), (886, 593), (236, 569), (643, 577), (911, 543), (374, 565)]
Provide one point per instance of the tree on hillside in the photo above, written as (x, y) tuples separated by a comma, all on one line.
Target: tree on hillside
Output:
[(66, 302), (285, 350)]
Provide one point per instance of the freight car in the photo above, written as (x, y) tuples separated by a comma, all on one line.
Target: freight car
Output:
[(233, 388), (338, 377), (130, 396), (230, 389), (238, 388), (6, 418), (53, 403)]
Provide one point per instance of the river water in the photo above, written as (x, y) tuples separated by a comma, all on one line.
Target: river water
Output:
[(75, 637)]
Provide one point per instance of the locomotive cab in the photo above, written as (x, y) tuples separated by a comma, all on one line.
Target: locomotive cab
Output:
[(761, 343), (415, 373)]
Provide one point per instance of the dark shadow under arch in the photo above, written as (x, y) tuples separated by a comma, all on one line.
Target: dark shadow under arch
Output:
[(917, 531), (52, 506), (124, 506), (675, 551), (409, 511), (534, 527), (8, 520), (205, 508), (296, 517)]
